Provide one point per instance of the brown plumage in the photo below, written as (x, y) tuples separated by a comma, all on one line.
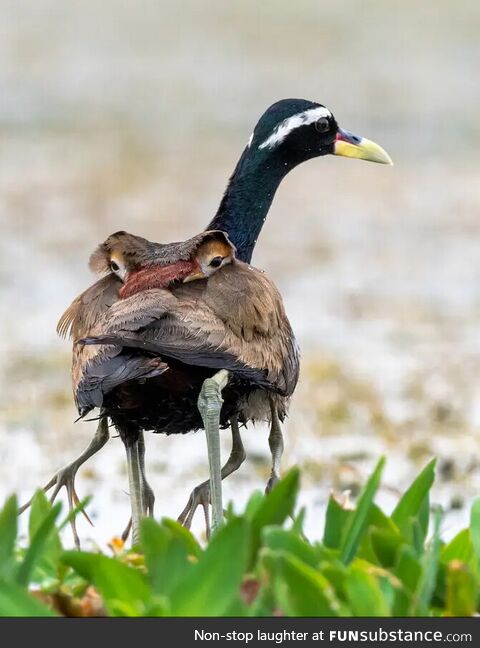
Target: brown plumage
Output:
[(234, 321), (151, 341)]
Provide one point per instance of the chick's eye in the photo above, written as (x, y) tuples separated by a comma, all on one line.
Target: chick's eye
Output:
[(322, 125), (216, 262), (114, 267)]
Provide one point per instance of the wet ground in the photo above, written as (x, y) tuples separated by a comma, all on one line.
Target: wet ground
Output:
[(120, 119)]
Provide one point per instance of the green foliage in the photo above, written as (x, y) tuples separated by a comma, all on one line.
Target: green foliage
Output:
[(257, 563)]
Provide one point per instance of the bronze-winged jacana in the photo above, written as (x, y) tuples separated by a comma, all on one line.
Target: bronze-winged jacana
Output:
[(291, 131)]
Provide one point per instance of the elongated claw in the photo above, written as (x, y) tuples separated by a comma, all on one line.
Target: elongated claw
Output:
[(200, 496), (66, 476)]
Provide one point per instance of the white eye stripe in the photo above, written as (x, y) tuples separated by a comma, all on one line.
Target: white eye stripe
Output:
[(289, 124), (250, 140)]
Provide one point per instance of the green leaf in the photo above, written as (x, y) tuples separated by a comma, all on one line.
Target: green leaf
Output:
[(414, 504), (16, 602), (358, 522), (364, 594), (475, 528), (8, 535), (184, 536), (300, 589), (47, 563), (275, 507), (123, 589), (336, 520), (212, 585), (408, 568), (280, 539), (459, 548), (166, 555), (430, 562), (462, 591), (385, 544), (39, 546)]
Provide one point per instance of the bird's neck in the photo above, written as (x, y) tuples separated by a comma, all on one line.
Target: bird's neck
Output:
[(247, 199)]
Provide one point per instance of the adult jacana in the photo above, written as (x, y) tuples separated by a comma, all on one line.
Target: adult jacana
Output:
[(291, 131), (156, 350)]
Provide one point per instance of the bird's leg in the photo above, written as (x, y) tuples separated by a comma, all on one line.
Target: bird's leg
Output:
[(148, 495), (66, 476), (147, 491), (210, 404), (275, 441), (135, 485), (200, 496)]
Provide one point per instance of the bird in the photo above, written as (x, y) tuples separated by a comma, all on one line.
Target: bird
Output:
[(130, 264), (230, 321), (288, 133)]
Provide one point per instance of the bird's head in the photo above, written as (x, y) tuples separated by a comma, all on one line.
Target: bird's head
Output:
[(120, 253), (295, 130), (214, 252)]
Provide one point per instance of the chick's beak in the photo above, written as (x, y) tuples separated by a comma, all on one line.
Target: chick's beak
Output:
[(349, 145), (193, 277)]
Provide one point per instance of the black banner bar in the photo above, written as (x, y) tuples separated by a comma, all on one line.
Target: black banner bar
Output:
[(240, 632)]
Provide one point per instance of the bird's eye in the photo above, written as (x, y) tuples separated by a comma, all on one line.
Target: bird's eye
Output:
[(216, 262), (322, 125), (114, 267)]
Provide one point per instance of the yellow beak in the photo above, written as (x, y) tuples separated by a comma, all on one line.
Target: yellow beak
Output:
[(348, 145), (194, 276)]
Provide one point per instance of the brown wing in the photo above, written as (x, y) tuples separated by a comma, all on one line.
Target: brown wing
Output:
[(96, 371), (235, 320), (80, 317)]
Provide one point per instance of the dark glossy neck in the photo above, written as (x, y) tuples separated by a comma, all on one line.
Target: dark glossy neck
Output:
[(247, 199)]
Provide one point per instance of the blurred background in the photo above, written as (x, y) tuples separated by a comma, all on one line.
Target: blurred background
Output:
[(119, 115)]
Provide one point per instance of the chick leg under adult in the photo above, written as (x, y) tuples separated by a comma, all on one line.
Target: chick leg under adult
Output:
[(200, 496), (210, 404), (134, 469), (275, 441), (148, 495), (65, 477)]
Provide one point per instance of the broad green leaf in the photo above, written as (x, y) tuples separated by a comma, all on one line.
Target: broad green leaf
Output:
[(475, 528), (48, 561), (212, 584), (462, 590), (364, 594), (8, 535), (302, 590), (408, 568), (275, 507), (280, 539), (414, 502), (184, 536), (254, 503), (336, 573), (336, 520), (39, 546), (459, 548), (378, 521), (299, 521), (358, 522), (15, 601), (430, 561), (385, 544), (124, 589), (166, 556)]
